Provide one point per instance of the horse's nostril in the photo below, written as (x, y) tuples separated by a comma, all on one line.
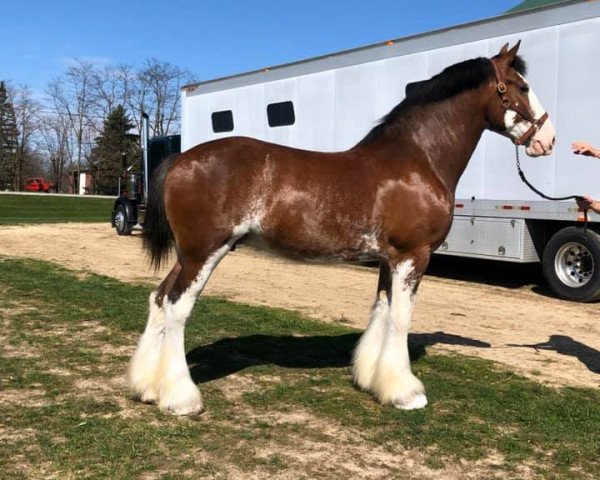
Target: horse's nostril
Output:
[(553, 140)]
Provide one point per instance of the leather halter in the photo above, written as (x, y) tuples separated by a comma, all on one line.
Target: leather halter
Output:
[(536, 124)]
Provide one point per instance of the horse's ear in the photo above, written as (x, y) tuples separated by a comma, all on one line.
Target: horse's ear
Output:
[(512, 53), (506, 56)]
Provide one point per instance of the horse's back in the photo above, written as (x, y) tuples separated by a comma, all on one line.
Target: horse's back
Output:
[(290, 198), (257, 167), (303, 203)]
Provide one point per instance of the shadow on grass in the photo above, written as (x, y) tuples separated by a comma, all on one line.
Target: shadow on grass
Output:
[(565, 345), (230, 355)]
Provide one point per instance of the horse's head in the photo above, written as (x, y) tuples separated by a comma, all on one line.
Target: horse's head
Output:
[(515, 110)]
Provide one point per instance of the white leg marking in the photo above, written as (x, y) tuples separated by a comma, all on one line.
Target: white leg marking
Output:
[(393, 381), (368, 349), (141, 375), (176, 391)]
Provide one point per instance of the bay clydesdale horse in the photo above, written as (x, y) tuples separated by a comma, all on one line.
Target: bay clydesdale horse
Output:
[(390, 197)]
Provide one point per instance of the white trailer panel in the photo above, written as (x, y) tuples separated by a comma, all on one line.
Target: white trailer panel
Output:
[(338, 99)]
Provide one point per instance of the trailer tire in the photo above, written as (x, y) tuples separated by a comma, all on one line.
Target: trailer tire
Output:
[(572, 264), (121, 221)]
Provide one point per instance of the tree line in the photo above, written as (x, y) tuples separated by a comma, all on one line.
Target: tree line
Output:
[(88, 119)]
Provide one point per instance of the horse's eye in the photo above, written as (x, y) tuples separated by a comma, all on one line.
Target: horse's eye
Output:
[(524, 89)]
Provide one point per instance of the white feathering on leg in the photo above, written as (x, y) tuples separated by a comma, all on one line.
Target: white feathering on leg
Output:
[(368, 349), (393, 381), (142, 372), (177, 392)]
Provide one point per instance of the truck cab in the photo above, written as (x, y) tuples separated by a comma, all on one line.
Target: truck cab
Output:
[(130, 207)]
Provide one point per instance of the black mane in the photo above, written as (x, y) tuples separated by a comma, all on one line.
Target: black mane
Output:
[(453, 80)]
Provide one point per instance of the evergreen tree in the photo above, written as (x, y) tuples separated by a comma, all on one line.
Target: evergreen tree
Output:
[(8, 140), (114, 149)]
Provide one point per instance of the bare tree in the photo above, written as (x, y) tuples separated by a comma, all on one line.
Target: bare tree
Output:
[(158, 94), (54, 141), (111, 87), (72, 98), (85, 95), (26, 110)]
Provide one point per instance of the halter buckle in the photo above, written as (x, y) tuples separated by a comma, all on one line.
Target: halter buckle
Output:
[(501, 87)]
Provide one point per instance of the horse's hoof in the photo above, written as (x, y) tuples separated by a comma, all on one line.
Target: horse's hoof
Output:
[(191, 406), (181, 398), (141, 378), (142, 390), (146, 396), (417, 401), (184, 410), (149, 396), (362, 379)]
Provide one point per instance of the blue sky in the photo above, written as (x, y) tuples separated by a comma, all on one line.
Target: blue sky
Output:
[(210, 39)]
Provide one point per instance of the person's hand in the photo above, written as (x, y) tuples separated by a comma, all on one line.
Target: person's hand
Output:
[(584, 148), (585, 202), (588, 203)]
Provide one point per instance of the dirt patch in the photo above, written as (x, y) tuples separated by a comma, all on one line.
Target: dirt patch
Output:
[(25, 397), (547, 339), (327, 449)]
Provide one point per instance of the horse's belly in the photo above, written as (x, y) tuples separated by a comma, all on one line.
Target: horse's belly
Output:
[(307, 248)]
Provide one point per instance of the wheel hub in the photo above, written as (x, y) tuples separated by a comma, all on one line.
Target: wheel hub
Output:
[(574, 264), (119, 220)]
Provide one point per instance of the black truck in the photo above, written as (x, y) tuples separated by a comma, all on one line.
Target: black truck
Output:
[(130, 206)]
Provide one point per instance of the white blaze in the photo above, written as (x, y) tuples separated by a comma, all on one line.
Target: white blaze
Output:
[(542, 141)]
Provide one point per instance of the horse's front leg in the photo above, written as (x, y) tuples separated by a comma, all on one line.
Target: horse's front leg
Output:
[(393, 381), (366, 353)]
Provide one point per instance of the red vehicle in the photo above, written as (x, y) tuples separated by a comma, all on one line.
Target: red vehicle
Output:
[(38, 185)]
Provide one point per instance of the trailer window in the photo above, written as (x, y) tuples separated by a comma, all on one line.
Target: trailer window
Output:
[(222, 121), (281, 114)]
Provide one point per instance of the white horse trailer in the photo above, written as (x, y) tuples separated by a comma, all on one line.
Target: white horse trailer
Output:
[(330, 103)]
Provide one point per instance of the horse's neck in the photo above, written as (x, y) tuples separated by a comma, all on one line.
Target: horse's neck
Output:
[(446, 133)]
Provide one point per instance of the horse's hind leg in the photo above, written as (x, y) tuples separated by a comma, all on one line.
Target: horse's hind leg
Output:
[(142, 375), (177, 393)]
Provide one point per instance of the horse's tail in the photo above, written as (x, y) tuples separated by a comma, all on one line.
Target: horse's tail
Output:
[(158, 236)]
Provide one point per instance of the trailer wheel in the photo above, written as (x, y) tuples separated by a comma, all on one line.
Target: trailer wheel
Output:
[(121, 221), (572, 264)]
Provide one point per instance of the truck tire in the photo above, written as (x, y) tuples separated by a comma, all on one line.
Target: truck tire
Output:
[(572, 264), (121, 221)]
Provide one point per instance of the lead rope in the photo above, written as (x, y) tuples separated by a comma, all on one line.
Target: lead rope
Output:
[(570, 197)]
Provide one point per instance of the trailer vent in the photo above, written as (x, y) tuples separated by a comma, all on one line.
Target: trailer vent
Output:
[(281, 114), (222, 121)]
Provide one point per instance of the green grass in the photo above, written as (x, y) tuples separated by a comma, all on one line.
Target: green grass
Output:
[(19, 209), (277, 387)]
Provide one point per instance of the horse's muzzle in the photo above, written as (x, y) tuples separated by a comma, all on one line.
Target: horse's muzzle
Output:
[(542, 141)]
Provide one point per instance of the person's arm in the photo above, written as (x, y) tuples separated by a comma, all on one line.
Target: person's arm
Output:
[(585, 148)]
